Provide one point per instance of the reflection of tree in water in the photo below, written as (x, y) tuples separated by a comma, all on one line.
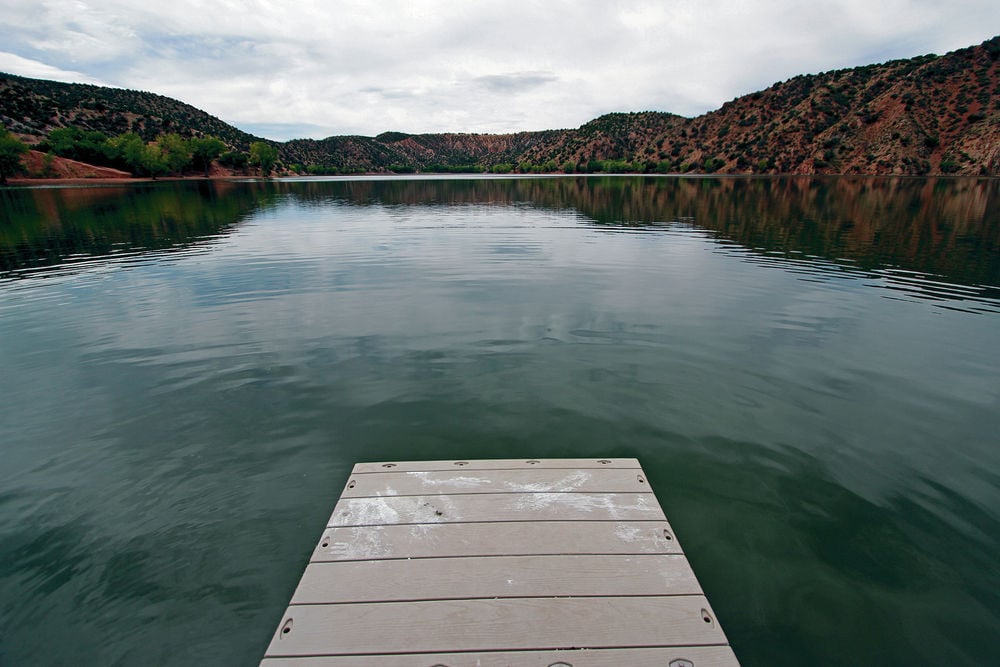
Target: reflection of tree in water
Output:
[(942, 226), (43, 227)]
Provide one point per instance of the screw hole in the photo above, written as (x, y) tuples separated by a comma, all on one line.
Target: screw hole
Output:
[(351, 484), (533, 462), (641, 480), (666, 535), (287, 627), (604, 462), (461, 463), (705, 617), (388, 465)]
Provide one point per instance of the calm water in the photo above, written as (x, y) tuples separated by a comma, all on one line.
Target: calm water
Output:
[(808, 369)]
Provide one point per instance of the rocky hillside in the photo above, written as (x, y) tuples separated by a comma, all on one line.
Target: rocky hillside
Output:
[(34, 107), (925, 115)]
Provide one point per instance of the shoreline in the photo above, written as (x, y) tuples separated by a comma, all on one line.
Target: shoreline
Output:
[(106, 180)]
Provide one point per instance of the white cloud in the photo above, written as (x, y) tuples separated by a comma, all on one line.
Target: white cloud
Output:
[(15, 64), (435, 65)]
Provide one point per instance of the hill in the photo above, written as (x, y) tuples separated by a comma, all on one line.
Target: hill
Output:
[(34, 107), (931, 114), (925, 115)]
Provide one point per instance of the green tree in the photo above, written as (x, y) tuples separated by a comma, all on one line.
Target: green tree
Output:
[(234, 160), (569, 166), (88, 146), (711, 165), (127, 150), (48, 170), (155, 161), (204, 150), (264, 155), (140, 158), (175, 151), (11, 151), (62, 141)]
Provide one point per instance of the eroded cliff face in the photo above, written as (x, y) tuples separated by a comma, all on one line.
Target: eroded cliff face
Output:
[(918, 116)]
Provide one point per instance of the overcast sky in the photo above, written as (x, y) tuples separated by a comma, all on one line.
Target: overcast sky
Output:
[(313, 68)]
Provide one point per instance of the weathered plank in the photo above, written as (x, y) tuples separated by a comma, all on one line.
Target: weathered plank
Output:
[(496, 625), (375, 511), (495, 577), (495, 539), (698, 656), (542, 480), (494, 464)]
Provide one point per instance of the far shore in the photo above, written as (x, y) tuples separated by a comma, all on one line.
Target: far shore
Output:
[(124, 180)]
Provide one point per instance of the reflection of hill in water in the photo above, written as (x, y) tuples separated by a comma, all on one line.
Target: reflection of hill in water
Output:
[(942, 226), (49, 227)]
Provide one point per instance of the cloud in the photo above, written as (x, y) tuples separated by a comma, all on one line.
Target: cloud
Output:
[(491, 66), (15, 64), (515, 82)]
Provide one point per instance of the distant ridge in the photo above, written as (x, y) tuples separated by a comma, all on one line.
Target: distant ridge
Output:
[(35, 107), (925, 115)]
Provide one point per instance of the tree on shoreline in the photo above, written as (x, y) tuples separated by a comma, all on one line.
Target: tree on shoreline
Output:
[(11, 150), (204, 150), (264, 155), (175, 151)]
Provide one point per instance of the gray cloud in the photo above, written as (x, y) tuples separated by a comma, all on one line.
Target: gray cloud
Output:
[(515, 81), (355, 67)]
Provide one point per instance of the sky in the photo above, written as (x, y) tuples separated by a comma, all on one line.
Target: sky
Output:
[(315, 68)]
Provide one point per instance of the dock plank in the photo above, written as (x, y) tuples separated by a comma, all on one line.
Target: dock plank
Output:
[(699, 656), (495, 577), (496, 625), (495, 539), (538, 480), (375, 511), (495, 464)]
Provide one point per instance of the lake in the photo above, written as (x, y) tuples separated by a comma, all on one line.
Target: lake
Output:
[(808, 369)]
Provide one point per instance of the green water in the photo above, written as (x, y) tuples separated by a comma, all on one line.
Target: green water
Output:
[(808, 370)]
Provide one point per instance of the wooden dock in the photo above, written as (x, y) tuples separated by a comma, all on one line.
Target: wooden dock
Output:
[(548, 563)]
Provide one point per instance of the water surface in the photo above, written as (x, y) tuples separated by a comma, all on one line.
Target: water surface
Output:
[(806, 368)]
